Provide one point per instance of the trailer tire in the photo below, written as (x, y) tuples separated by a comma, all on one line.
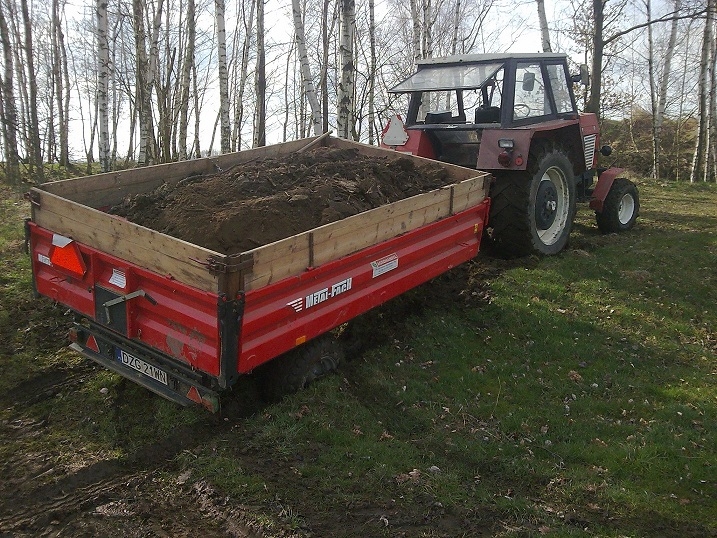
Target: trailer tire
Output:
[(620, 209), (532, 211), (298, 368)]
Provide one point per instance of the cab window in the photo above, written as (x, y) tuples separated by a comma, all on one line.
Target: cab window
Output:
[(559, 84), (530, 99)]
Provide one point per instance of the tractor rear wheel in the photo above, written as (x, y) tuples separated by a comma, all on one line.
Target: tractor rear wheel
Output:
[(296, 369), (532, 211), (620, 209)]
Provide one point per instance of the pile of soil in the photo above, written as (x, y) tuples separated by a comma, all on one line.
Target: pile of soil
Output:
[(260, 202)]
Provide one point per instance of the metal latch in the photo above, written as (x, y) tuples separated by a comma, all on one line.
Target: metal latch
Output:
[(124, 299)]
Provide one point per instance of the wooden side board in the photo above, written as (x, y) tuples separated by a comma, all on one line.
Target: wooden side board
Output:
[(68, 208), (108, 189), (459, 173), (293, 255), (141, 246)]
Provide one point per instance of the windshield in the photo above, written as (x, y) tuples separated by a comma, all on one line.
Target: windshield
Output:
[(447, 77)]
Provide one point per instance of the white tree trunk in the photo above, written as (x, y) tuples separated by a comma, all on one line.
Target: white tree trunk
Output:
[(662, 93), (306, 78), (103, 74), (416, 37), (8, 112), (372, 74), (344, 120), (243, 77), (187, 64), (225, 128), (36, 164), (699, 162), (544, 32), (456, 27), (260, 79)]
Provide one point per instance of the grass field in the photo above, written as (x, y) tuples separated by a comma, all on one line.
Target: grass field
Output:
[(567, 396)]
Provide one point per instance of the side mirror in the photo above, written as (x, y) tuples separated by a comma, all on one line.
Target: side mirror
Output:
[(528, 82), (584, 76)]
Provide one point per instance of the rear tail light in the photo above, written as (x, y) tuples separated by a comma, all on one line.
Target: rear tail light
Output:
[(66, 255)]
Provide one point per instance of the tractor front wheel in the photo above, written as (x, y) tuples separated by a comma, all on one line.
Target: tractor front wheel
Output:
[(620, 209), (532, 211)]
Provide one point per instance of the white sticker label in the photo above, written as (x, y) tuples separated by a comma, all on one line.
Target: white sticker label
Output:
[(384, 265), (118, 278), (44, 259)]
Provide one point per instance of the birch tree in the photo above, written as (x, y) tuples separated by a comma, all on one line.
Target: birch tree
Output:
[(225, 127), (372, 73), (544, 32), (187, 65), (143, 82), (102, 85), (661, 99), (260, 79), (61, 80), (248, 22), (34, 147), (699, 163), (306, 77), (344, 119), (8, 112)]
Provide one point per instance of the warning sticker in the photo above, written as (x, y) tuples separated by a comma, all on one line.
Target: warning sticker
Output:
[(118, 278), (384, 265)]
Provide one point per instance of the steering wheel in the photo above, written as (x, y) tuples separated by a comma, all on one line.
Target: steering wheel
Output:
[(521, 110)]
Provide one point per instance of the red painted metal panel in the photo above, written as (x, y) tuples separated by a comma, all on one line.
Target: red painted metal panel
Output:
[(283, 315), (183, 323), (176, 319), (418, 143), (605, 181)]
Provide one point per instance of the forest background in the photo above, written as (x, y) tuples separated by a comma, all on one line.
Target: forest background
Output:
[(129, 82)]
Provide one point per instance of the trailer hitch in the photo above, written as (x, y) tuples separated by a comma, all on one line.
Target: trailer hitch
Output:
[(124, 299)]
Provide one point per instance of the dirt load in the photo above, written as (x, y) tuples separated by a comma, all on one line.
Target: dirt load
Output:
[(259, 202)]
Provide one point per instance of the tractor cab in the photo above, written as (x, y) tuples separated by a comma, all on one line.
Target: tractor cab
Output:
[(453, 100)]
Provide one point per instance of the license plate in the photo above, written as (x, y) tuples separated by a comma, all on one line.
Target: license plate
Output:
[(141, 366)]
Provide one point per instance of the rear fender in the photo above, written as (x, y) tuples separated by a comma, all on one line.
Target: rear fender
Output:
[(605, 181), (489, 149)]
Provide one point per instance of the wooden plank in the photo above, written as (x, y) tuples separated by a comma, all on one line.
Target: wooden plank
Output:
[(457, 172), (110, 188), (138, 245), (292, 256), (353, 233), (281, 259), (470, 192)]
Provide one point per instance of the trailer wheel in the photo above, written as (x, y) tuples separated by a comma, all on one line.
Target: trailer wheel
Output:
[(296, 369), (620, 209), (532, 211)]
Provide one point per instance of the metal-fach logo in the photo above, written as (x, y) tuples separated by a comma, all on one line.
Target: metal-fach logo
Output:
[(296, 304), (319, 296)]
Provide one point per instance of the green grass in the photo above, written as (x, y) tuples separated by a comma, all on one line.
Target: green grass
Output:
[(578, 399)]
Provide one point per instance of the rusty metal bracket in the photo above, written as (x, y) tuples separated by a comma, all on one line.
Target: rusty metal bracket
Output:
[(216, 266), (33, 197)]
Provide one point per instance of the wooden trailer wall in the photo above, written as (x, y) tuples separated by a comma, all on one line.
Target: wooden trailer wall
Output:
[(74, 208)]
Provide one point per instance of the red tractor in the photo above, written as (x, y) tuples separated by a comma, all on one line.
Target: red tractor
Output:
[(515, 116)]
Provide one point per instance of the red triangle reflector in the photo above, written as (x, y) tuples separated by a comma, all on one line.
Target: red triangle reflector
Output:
[(92, 344), (193, 395)]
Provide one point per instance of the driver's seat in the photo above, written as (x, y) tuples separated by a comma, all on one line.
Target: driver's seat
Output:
[(490, 114)]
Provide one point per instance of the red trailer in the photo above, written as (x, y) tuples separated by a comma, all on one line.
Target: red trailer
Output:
[(185, 321)]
